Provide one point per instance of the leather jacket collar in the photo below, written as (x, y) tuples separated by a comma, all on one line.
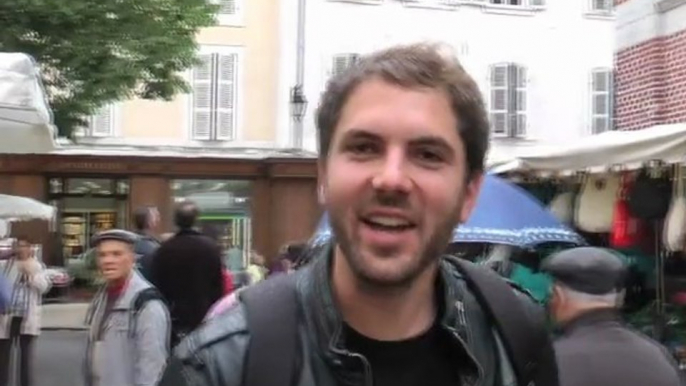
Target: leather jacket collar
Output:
[(324, 319)]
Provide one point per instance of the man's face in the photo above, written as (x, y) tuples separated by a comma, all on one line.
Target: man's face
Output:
[(115, 259), (395, 181), (23, 249)]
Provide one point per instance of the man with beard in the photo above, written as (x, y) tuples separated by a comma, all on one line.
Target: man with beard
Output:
[(403, 136)]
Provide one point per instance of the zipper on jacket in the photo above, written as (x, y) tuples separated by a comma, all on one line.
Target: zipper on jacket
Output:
[(368, 381), (462, 318)]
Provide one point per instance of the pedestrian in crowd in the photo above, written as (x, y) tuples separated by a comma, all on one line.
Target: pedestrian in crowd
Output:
[(187, 270), (403, 136), (256, 270), (20, 324), (234, 257), (128, 340), (145, 220), (289, 254), (596, 348)]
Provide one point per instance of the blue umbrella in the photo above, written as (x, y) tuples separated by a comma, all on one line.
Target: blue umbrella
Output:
[(504, 214), (507, 214)]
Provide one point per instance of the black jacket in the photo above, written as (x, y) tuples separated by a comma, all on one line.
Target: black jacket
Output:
[(187, 269), (597, 349), (214, 355)]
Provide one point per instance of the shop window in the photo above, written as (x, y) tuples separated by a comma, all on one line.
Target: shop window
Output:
[(224, 210), (87, 206)]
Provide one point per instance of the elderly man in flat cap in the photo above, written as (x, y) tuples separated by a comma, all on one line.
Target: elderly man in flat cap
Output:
[(130, 327), (596, 348)]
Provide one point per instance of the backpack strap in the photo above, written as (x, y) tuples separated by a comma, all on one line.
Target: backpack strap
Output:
[(526, 341), (272, 315), (139, 302)]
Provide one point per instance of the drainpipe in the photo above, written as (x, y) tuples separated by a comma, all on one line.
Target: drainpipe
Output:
[(298, 89)]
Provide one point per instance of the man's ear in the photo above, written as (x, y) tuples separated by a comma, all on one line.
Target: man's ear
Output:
[(321, 182), (471, 194)]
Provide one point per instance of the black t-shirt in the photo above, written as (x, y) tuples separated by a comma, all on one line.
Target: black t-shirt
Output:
[(425, 360)]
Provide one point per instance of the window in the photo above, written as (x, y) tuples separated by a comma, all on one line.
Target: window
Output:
[(215, 96), (342, 62), (508, 100), (100, 125), (601, 6), (230, 12), (602, 100), (530, 3)]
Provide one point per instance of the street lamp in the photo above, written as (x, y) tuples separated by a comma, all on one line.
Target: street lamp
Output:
[(298, 103)]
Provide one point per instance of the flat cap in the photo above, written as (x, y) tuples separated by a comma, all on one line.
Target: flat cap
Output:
[(590, 270), (115, 235)]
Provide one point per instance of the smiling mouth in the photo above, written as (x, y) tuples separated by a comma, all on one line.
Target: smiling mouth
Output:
[(388, 224)]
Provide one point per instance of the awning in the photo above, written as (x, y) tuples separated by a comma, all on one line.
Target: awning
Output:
[(25, 116), (597, 153)]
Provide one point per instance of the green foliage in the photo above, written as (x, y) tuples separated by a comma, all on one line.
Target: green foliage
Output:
[(94, 52)]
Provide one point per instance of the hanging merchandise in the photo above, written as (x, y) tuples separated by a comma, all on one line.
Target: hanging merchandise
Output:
[(595, 203), (651, 195), (675, 222), (627, 230), (562, 205)]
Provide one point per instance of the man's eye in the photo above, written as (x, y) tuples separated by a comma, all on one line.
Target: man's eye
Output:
[(429, 156), (362, 148)]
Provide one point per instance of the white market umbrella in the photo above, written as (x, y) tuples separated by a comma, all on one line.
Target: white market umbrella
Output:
[(16, 208)]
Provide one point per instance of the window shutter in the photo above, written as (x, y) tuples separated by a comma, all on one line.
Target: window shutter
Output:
[(499, 98), (601, 101), (202, 98), (226, 96), (228, 7), (520, 101), (102, 123), (342, 62)]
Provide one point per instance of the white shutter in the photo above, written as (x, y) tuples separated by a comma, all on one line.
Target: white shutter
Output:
[(520, 100), (202, 99), (228, 7), (102, 123), (342, 62), (499, 99), (601, 100), (226, 96)]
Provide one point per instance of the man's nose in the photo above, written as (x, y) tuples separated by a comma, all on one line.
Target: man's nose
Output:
[(392, 175)]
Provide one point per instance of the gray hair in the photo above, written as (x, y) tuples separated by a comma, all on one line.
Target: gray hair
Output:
[(612, 299)]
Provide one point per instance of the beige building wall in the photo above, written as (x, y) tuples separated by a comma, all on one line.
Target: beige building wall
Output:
[(257, 35)]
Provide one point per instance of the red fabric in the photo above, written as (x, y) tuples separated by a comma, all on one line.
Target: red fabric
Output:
[(115, 289), (228, 282), (627, 231)]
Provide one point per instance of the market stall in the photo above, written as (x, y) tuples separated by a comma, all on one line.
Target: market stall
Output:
[(625, 191)]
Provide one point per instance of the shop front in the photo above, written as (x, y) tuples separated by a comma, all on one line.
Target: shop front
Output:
[(255, 204)]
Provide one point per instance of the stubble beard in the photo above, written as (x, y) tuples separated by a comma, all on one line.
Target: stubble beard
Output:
[(429, 254)]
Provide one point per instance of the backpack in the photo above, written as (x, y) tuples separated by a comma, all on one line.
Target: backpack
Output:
[(526, 342)]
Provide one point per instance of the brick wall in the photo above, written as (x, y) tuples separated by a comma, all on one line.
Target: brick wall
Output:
[(650, 83)]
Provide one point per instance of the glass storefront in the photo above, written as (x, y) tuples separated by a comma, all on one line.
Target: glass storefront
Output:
[(224, 210), (87, 206)]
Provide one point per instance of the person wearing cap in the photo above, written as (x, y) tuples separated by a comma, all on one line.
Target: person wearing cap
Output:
[(128, 343), (595, 347)]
